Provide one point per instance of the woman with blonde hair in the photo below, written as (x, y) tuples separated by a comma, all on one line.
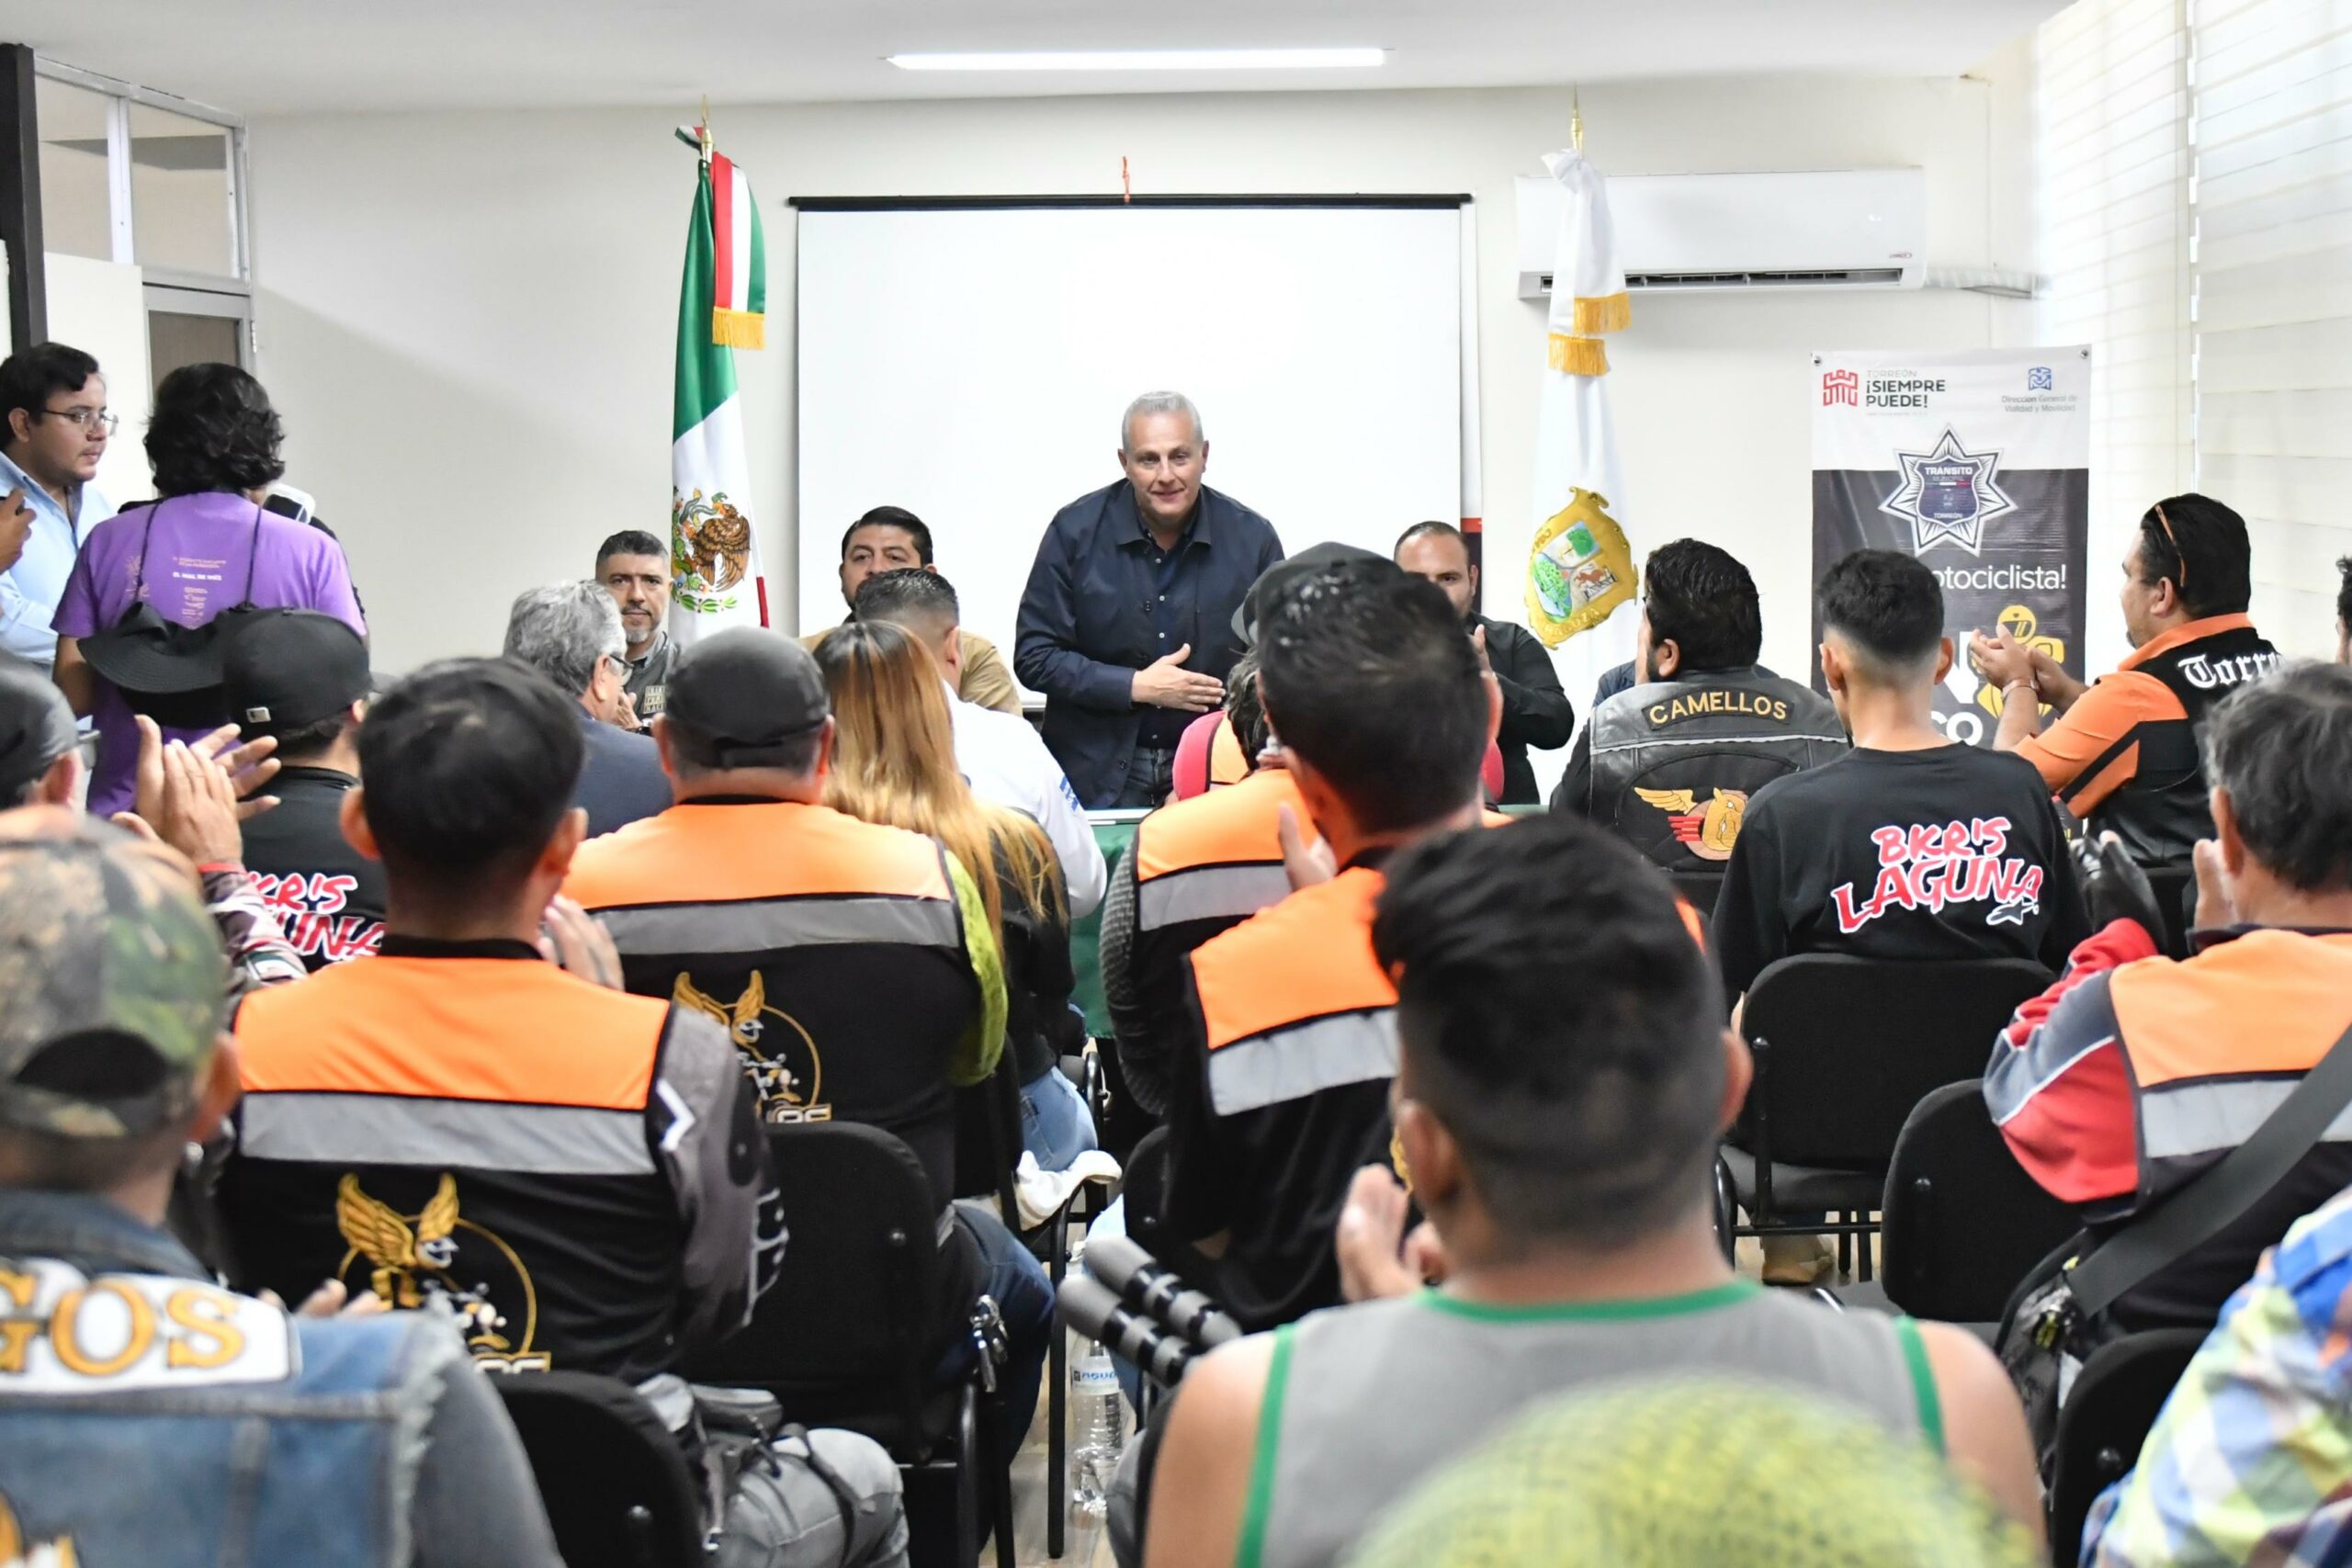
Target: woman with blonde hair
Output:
[(894, 763)]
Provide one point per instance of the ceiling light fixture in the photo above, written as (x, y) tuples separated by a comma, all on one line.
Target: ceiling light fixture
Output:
[(1151, 60)]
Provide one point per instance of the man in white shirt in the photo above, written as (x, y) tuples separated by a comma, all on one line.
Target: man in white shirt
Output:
[(53, 430), (1003, 757)]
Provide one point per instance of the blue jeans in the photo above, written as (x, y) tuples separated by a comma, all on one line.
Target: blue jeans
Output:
[(1012, 1277), (1055, 1126)]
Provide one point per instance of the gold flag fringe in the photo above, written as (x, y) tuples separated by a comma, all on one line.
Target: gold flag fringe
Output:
[(738, 329), (1604, 314), (1579, 356)]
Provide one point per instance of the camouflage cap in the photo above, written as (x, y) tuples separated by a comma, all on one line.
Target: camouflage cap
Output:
[(114, 977)]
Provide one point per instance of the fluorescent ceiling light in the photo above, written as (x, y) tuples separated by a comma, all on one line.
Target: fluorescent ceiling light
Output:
[(1150, 59)]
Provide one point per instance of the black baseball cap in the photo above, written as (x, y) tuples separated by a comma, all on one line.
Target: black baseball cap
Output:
[(1328, 553), (284, 669), (738, 696), (36, 727)]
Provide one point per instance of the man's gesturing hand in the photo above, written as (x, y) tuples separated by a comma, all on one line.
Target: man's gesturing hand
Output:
[(1165, 684), (15, 527)]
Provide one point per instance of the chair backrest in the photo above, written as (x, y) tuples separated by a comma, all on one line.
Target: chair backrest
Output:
[(1846, 1046), (2104, 1422), (1144, 1186), (987, 1134), (1699, 889), (2176, 890), (1964, 1221), (614, 1480), (857, 1313)]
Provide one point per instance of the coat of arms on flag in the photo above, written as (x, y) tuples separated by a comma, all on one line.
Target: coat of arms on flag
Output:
[(714, 544), (1580, 569)]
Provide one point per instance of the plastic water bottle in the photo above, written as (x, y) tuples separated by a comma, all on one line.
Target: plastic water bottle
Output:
[(1099, 1412)]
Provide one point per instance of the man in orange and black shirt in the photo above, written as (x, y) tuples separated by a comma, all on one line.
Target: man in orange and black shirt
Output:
[(577, 1173), (1279, 1091), (851, 964), (2126, 754), (2136, 1073)]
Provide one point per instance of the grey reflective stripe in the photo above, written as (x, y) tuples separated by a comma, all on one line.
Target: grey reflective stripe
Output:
[(1646, 742), (773, 923), (2183, 1120), (381, 1129), (1293, 1062), (1209, 893)]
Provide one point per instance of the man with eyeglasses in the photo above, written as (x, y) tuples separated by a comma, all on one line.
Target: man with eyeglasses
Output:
[(54, 401)]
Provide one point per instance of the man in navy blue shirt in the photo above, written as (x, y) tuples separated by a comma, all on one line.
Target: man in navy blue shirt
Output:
[(1127, 623)]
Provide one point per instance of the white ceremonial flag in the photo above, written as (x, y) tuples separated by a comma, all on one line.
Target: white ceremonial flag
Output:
[(1582, 584)]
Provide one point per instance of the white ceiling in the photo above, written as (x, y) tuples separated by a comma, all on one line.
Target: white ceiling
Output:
[(279, 56)]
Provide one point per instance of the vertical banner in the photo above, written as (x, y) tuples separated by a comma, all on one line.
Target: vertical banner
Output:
[(1978, 463)]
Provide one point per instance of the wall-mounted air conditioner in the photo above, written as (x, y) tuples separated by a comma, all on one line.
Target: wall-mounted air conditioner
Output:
[(1839, 229)]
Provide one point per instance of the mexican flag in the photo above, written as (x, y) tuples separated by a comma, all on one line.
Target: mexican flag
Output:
[(714, 537), (1582, 582)]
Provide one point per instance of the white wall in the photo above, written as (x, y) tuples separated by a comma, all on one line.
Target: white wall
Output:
[(469, 319)]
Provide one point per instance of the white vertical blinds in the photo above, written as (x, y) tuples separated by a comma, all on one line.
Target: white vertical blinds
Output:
[(2271, 302), (2112, 138)]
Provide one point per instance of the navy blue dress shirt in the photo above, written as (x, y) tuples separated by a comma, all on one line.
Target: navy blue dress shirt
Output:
[(1102, 603), (620, 778)]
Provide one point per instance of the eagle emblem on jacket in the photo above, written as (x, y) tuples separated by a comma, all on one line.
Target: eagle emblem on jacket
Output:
[(778, 1054), (1709, 834), (411, 1262)]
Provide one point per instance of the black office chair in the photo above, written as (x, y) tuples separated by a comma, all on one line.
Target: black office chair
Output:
[(1699, 889), (2175, 891), (849, 1334), (1962, 1223), (613, 1478), (2104, 1422), (1845, 1047)]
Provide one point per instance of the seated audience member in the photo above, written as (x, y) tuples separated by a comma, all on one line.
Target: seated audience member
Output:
[(1000, 754), (855, 964), (1278, 1085), (1537, 713), (139, 1443), (571, 633), (302, 678), (891, 538), (894, 763), (1565, 1179), (2124, 754), (2250, 1460), (40, 756), (574, 1172), (1910, 846), (2344, 610), (634, 567), (2135, 1072), (1787, 1479), (1209, 863), (53, 403), (1671, 765), (174, 563)]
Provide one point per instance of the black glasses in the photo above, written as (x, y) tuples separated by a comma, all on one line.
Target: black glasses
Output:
[(83, 419)]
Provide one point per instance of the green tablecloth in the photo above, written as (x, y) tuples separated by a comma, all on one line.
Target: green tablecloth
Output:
[(1086, 935)]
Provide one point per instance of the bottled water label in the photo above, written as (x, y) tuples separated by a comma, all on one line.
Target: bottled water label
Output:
[(1095, 1375)]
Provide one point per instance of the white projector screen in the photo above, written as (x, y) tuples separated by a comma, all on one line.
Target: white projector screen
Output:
[(970, 363)]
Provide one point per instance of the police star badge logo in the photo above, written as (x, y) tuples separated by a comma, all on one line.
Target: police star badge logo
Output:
[(1948, 495)]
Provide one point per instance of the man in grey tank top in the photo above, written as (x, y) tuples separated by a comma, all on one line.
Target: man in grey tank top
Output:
[(1564, 1081)]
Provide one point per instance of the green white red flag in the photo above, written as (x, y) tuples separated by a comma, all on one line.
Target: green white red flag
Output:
[(714, 538)]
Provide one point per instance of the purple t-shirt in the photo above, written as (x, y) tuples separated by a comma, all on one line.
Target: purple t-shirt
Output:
[(196, 546)]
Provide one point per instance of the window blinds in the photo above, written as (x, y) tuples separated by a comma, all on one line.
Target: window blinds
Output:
[(2271, 300), (2111, 107)]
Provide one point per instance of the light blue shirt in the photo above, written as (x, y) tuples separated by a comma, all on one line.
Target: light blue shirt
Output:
[(30, 590)]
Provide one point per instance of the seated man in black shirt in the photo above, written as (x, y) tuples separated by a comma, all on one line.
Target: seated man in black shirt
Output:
[(303, 678), (1910, 846), (1671, 763)]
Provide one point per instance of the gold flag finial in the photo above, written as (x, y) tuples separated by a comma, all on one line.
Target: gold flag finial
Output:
[(702, 130), (1576, 120)]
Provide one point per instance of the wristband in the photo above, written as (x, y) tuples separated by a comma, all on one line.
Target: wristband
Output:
[(212, 868), (2027, 683)]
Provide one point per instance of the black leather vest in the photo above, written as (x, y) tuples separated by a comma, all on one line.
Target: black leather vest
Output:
[(1674, 762), (2160, 811)]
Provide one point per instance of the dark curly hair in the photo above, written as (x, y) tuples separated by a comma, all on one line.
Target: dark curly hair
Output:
[(213, 429)]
